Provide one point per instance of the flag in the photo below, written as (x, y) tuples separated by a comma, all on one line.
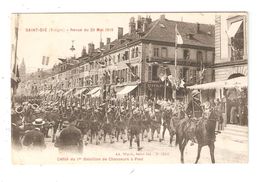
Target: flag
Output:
[(62, 60), (178, 38), (15, 77), (43, 60), (101, 63), (131, 71), (182, 83), (47, 60), (164, 73)]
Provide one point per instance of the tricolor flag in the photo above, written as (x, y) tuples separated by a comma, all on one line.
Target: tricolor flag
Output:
[(178, 38), (43, 60), (47, 60), (101, 63), (131, 71)]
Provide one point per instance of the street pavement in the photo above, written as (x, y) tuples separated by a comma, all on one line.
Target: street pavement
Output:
[(231, 146)]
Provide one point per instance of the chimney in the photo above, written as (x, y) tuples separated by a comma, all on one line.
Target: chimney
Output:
[(139, 23), (198, 28), (91, 48), (101, 44), (83, 52), (132, 25), (108, 40), (162, 17), (120, 33)]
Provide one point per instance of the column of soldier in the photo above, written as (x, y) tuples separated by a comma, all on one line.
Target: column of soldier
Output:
[(71, 128)]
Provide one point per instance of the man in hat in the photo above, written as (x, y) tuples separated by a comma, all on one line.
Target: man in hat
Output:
[(70, 139), (16, 130), (35, 138), (57, 135), (194, 107)]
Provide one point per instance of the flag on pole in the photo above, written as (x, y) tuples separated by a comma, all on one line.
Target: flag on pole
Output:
[(43, 60), (101, 63), (131, 71), (15, 77), (47, 60), (178, 38)]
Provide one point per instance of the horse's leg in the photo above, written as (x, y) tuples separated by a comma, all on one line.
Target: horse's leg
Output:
[(171, 138), (212, 148), (198, 154), (163, 132), (91, 135), (105, 134), (117, 134), (182, 149), (131, 139)]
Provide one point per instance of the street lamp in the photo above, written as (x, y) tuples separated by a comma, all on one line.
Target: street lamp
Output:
[(72, 47)]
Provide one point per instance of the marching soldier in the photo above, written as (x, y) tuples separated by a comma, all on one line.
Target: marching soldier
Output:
[(135, 127)]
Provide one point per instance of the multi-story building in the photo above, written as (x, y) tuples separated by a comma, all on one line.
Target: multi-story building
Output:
[(136, 61), (146, 49), (231, 60)]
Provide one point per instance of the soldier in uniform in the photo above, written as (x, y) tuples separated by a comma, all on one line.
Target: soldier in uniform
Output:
[(167, 115), (135, 127), (194, 107), (35, 138), (70, 139)]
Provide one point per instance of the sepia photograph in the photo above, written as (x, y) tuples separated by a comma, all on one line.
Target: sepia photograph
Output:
[(129, 88)]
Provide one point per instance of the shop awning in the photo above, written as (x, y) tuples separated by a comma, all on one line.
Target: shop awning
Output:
[(238, 82), (234, 28), (126, 90), (80, 91), (97, 94), (93, 91)]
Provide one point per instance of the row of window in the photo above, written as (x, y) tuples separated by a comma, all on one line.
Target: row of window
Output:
[(107, 61), (189, 75), (114, 77), (186, 53)]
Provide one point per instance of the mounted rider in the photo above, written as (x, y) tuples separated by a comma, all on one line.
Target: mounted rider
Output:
[(194, 109)]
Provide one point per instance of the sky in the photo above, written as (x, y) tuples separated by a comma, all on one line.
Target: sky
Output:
[(32, 46)]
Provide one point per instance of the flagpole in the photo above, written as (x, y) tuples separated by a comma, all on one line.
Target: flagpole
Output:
[(15, 57), (175, 60), (165, 84)]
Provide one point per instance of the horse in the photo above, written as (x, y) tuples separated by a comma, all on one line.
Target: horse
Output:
[(202, 130)]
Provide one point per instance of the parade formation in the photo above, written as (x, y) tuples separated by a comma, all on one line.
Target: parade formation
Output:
[(158, 80)]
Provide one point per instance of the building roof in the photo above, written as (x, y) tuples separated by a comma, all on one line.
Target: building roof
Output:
[(164, 31)]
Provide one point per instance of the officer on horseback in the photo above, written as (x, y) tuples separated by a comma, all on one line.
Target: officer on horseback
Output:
[(194, 109)]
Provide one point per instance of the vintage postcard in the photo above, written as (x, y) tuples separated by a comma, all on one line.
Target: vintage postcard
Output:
[(100, 88)]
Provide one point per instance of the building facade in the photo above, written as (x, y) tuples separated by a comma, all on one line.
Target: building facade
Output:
[(231, 61), (136, 61)]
